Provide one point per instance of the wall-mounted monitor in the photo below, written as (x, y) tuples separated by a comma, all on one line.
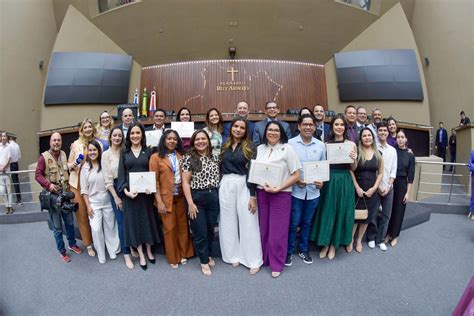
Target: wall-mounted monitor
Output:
[(385, 74), (88, 78)]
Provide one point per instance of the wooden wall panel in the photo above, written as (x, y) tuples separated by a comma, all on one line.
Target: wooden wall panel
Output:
[(196, 84)]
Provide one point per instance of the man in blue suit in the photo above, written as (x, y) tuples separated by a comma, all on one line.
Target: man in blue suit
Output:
[(441, 142), (322, 130), (242, 111), (272, 110)]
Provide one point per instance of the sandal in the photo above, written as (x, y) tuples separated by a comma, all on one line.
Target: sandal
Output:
[(128, 262), (90, 251), (236, 264), (359, 246), (184, 260), (174, 265), (254, 271)]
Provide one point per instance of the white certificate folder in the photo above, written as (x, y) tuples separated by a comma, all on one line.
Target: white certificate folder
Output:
[(262, 173)]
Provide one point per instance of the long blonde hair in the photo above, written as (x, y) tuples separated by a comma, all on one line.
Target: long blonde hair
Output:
[(83, 139), (361, 154)]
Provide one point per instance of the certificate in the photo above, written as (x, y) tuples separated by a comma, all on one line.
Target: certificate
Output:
[(142, 181), (339, 153), (153, 137), (316, 171), (184, 129), (265, 173)]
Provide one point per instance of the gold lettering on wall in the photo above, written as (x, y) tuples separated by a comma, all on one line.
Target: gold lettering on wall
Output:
[(232, 86)]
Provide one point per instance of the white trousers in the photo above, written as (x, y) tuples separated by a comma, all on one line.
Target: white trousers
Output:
[(105, 232), (239, 233), (6, 190)]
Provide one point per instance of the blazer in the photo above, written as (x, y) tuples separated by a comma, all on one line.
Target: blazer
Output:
[(443, 142), (318, 133), (164, 178), (259, 131)]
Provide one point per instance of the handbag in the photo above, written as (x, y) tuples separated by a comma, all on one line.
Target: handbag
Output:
[(361, 214)]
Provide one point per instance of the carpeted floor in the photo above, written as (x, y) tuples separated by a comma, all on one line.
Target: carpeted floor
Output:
[(424, 275)]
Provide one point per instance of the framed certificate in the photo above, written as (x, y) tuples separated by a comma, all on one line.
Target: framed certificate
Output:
[(316, 171), (339, 153), (153, 137), (142, 181), (262, 173), (184, 129)]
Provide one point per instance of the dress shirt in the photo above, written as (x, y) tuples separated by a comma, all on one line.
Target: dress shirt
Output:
[(14, 151), (234, 162), (314, 151), (282, 154), (5, 155), (93, 185), (389, 155)]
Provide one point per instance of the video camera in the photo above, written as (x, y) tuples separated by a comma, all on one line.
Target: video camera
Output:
[(62, 201)]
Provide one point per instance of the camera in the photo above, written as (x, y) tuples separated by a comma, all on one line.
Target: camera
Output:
[(65, 203)]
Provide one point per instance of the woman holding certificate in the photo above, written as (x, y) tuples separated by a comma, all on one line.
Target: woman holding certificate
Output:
[(77, 156), (184, 115), (274, 199), (99, 209), (139, 218), (200, 175), (239, 234), (214, 128), (366, 175), (335, 215), (169, 199)]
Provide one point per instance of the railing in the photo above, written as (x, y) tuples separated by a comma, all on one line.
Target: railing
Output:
[(28, 193), (107, 5), (449, 187)]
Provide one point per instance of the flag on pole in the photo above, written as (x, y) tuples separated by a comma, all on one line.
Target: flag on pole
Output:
[(143, 110), (152, 108), (136, 97)]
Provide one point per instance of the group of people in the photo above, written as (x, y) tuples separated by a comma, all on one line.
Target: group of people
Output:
[(202, 182), (10, 155)]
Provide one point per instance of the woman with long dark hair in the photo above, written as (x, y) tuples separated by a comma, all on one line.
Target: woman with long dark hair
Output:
[(335, 215), (392, 132), (401, 187), (139, 218), (274, 202), (239, 234), (169, 198), (200, 172), (366, 176), (184, 115), (99, 209)]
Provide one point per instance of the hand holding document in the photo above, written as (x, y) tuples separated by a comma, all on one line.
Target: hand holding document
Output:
[(339, 153), (153, 137), (184, 129), (262, 173), (142, 182), (316, 171)]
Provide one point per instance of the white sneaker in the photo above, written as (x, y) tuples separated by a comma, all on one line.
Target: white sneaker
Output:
[(371, 244), (382, 246)]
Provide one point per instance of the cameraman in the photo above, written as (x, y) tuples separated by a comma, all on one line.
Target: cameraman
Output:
[(52, 174)]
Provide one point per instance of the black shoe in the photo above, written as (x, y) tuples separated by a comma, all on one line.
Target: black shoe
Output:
[(289, 261), (306, 257), (152, 261), (144, 267)]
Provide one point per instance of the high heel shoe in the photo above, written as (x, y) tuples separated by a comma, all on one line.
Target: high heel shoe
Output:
[(152, 261), (359, 246), (323, 253), (206, 270), (212, 263), (128, 262), (332, 253), (394, 242), (144, 267)]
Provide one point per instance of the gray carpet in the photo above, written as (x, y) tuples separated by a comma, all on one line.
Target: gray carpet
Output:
[(424, 275)]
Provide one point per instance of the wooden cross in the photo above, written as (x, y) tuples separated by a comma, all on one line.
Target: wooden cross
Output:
[(232, 71)]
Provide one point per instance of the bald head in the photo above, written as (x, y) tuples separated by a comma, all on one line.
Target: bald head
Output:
[(55, 142), (127, 117)]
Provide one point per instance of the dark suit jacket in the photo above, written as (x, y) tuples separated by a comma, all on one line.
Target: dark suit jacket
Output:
[(260, 130), (164, 178), (318, 133), (441, 141), (226, 132)]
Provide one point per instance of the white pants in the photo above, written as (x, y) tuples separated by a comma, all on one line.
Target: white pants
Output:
[(239, 233), (105, 232), (6, 190)]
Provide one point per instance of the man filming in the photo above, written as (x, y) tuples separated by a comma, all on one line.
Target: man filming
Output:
[(52, 174)]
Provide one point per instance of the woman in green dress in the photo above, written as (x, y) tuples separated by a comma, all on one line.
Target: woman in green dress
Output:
[(335, 214)]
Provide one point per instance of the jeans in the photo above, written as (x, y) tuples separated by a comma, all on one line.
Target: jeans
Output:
[(302, 212), (119, 218), (55, 215), (378, 226), (202, 227)]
